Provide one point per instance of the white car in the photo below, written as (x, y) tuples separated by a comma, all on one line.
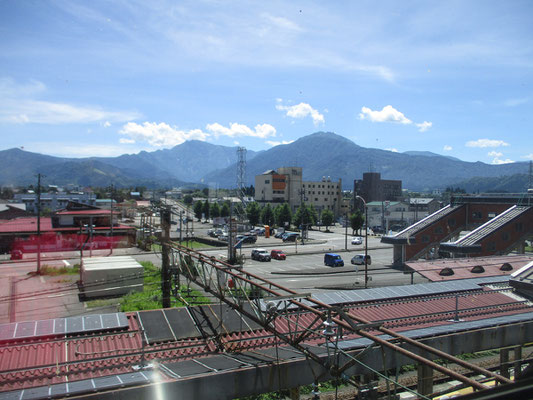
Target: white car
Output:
[(357, 240)]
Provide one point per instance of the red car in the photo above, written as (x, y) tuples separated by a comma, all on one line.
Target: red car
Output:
[(278, 255)]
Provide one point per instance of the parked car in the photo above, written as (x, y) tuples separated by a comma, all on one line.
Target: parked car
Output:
[(260, 255), (16, 254), (333, 260), (290, 236), (357, 240), (247, 238), (278, 255), (360, 259), (279, 234)]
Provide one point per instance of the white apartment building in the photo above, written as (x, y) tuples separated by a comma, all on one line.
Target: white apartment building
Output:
[(287, 186)]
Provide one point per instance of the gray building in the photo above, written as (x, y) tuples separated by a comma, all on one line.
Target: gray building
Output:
[(287, 186), (54, 201), (373, 188)]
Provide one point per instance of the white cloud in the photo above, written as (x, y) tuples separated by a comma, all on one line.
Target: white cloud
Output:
[(528, 157), (515, 102), (18, 106), (390, 114), (282, 22), (393, 150), (482, 143), (387, 114), (107, 124), (424, 126), (159, 135), (497, 161), (234, 129), (300, 111), (494, 154), (447, 148), (76, 150), (273, 143), (126, 141)]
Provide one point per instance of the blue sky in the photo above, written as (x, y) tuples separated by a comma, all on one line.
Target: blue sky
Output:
[(104, 78)]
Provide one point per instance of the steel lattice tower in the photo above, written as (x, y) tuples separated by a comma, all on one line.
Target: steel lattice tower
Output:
[(241, 174)]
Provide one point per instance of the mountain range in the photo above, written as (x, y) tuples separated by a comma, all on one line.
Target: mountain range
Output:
[(196, 163)]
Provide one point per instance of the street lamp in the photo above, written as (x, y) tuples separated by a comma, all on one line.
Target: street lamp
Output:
[(366, 240)]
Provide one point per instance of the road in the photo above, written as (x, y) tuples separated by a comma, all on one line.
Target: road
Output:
[(304, 268), (29, 297)]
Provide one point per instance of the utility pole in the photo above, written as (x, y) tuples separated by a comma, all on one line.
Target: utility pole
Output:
[(111, 218), (304, 211), (346, 232), (39, 223), (165, 256), (181, 226)]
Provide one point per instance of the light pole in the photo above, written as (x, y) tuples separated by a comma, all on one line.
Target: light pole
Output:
[(366, 240)]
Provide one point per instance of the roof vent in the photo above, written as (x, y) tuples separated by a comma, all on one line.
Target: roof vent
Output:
[(506, 267), (478, 269), (446, 272)]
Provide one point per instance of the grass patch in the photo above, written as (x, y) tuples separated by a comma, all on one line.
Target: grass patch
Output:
[(151, 298), (53, 271), (101, 303), (193, 244)]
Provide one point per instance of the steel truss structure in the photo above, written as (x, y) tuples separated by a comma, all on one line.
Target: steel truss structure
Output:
[(279, 311)]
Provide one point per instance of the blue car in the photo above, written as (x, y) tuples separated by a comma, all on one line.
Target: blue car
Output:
[(333, 260)]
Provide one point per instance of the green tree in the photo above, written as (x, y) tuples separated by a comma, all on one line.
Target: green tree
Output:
[(356, 221), (187, 199), (238, 209), (327, 218), (225, 210), (283, 215), (198, 209), (205, 191), (253, 212), (215, 210), (304, 216), (267, 215), (206, 209), (313, 215)]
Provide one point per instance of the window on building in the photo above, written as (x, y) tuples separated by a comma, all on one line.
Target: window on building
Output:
[(267, 180), (519, 227), (477, 215), (451, 222), (505, 235), (491, 246), (425, 239)]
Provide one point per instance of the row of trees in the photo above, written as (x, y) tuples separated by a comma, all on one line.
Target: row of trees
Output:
[(281, 215)]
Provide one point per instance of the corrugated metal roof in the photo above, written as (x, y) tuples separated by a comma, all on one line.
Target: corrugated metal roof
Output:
[(40, 362), (492, 225), (462, 267)]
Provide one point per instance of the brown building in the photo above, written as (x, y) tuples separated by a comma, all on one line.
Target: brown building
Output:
[(373, 188)]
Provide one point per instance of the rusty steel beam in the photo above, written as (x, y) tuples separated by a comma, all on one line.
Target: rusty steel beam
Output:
[(249, 276)]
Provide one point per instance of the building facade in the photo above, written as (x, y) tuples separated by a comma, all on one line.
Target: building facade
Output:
[(54, 201), (373, 188), (286, 185), (397, 215)]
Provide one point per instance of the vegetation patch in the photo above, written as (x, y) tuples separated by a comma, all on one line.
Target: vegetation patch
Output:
[(151, 296), (56, 271)]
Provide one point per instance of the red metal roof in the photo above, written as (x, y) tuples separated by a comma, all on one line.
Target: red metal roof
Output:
[(29, 224), (462, 267), (86, 212), (40, 362)]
